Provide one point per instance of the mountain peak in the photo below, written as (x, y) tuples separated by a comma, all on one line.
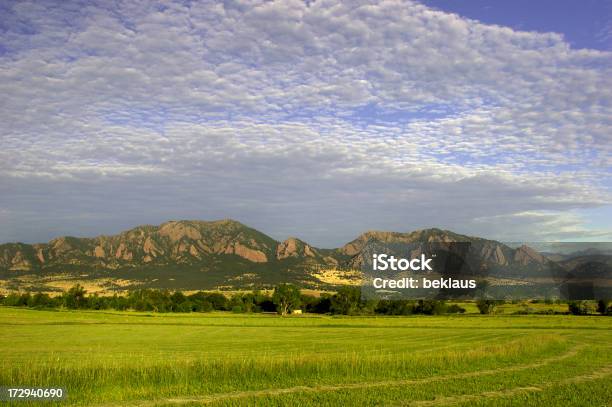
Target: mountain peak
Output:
[(294, 247), (422, 235), (203, 223), (525, 255)]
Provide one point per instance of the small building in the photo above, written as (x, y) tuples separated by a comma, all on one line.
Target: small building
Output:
[(296, 312)]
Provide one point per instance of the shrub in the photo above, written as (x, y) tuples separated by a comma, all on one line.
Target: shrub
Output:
[(206, 306), (604, 307), (395, 307), (455, 309), (581, 307), (185, 306), (430, 307), (17, 300)]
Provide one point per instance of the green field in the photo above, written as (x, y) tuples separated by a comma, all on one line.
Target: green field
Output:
[(126, 358)]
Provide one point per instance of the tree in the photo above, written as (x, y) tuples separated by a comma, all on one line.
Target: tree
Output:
[(323, 306), (118, 303), (177, 300), (347, 301), (40, 300), (246, 302), (486, 306), (75, 297), (96, 302), (604, 307), (286, 297), (263, 302), (218, 300)]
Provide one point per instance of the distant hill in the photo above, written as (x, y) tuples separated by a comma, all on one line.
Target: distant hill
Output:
[(176, 242), (482, 254), (175, 254), (226, 254)]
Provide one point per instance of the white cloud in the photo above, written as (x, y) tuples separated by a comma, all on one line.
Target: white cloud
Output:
[(307, 109), (546, 226)]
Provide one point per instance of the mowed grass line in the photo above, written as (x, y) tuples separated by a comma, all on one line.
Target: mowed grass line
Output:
[(20, 316), (92, 382), (514, 391), (348, 386), (125, 358), (515, 386)]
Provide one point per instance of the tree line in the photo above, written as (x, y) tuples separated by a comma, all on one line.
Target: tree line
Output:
[(285, 299)]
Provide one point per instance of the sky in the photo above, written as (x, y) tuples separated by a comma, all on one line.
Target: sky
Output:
[(316, 119)]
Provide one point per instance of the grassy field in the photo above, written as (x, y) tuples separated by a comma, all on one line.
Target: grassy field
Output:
[(126, 358)]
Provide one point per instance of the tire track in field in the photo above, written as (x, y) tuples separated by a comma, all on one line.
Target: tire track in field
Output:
[(450, 400), (347, 386)]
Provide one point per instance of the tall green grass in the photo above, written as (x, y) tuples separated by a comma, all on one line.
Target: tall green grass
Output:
[(127, 358)]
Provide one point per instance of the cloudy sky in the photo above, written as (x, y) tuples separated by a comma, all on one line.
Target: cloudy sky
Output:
[(318, 119)]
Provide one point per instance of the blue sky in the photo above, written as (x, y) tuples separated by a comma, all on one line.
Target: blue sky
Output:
[(584, 24), (319, 120)]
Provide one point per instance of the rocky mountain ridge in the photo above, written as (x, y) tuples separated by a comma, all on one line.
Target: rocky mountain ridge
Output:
[(175, 241), (192, 242), (228, 255)]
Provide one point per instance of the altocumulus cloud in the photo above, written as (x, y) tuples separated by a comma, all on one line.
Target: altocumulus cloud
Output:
[(321, 119)]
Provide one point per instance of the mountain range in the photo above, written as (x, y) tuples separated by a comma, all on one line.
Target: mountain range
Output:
[(226, 254)]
